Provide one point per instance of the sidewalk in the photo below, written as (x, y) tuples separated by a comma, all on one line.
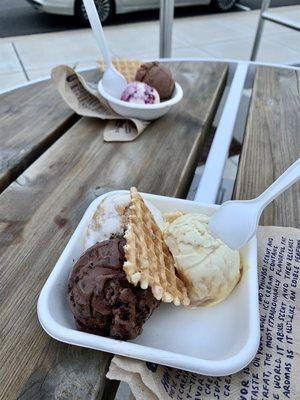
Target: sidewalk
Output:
[(215, 36)]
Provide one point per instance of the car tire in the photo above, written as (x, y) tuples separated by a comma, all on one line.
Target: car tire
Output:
[(106, 10), (223, 5)]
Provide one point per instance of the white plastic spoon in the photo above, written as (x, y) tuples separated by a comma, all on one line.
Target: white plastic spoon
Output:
[(112, 81), (236, 222)]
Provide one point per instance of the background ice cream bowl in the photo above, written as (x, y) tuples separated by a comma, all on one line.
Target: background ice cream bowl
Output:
[(217, 340), (146, 112)]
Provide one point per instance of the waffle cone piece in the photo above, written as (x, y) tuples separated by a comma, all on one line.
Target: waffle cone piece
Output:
[(148, 258), (127, 68)]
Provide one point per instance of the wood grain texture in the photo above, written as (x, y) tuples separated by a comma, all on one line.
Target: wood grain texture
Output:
[(41, 209), (31, 119), (272, 143)]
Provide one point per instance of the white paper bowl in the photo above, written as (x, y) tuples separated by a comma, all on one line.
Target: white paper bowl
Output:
[(146, 112), (218, 340)]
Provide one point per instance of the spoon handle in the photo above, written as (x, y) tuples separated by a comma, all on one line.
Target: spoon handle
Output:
[(97, 30), (287, 179)]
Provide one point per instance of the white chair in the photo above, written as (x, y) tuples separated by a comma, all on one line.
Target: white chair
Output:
[(265, 15)]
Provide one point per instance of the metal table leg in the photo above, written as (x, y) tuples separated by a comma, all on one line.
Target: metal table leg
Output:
[(207, 191), (166, 24)]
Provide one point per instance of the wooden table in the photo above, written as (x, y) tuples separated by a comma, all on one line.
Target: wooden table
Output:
[(53, 164)]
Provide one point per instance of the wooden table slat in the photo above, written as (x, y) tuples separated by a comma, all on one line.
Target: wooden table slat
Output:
[(31, 119), (39, 212), (272, 143)]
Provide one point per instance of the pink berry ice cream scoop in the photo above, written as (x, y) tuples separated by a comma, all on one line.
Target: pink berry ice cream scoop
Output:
[(140, 93)]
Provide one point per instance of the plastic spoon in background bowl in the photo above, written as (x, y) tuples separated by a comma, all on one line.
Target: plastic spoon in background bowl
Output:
[(112, 81), (235, 222)]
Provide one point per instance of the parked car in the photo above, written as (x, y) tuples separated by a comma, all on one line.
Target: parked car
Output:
[(107, 8)]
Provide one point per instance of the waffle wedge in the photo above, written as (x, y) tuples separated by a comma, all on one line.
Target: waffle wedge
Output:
[(148, 259), (127, 68)]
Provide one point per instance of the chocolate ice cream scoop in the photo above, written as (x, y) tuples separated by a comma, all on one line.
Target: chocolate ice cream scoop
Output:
[(102, 300), (157, 76)]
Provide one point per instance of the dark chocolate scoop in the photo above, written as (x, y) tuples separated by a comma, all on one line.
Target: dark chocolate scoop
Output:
[(156, 75), (101, 298)]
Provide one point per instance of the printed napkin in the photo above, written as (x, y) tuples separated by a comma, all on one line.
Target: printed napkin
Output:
[(274, 372), (83, 97)]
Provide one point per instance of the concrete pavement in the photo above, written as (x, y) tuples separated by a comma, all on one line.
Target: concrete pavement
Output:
[(20, 18), (229, 35)]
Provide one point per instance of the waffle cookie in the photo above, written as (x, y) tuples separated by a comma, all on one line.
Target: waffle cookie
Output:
[(148, 258), (127, 68)]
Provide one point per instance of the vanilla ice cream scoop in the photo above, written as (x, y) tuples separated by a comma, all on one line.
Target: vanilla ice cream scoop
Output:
[(109, 218), (209, 268)]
